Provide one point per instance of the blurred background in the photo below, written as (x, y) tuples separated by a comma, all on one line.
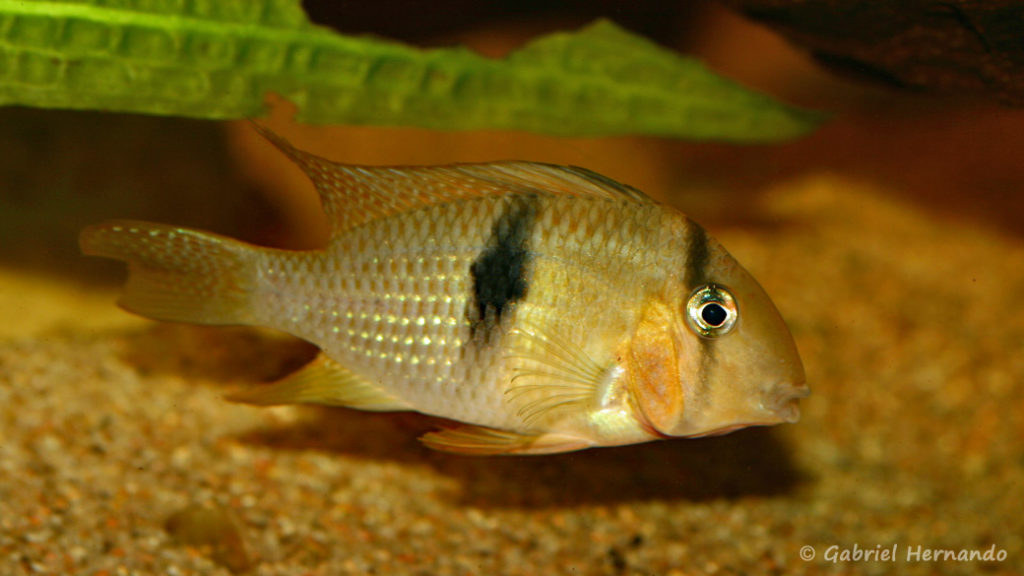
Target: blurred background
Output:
[(959, 155)]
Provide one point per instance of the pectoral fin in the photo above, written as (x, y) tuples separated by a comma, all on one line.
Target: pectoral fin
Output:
[(483, 441), (322, 381), (551, 374)]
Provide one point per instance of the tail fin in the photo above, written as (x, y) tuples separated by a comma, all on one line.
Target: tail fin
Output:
[(178, 274)]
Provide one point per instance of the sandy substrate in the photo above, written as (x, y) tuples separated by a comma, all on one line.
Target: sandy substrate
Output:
[(118, 455)]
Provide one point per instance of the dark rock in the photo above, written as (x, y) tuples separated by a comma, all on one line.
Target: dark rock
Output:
[(953, 46)]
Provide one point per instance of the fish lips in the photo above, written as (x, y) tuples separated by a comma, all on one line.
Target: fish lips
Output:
[(781, 405), (783, 402)]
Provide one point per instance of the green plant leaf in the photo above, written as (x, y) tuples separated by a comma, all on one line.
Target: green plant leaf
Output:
[(219, 59)]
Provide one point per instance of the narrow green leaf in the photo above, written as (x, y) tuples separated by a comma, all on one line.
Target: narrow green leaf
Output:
[(219, 58)]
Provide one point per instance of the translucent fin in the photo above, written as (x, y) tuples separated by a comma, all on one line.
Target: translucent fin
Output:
[(551, 375), (553, 179), (483, 441), (353, 195), (322, 381), (177, 274)]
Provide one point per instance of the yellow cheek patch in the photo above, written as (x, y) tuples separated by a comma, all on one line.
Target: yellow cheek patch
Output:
[(654, 369)]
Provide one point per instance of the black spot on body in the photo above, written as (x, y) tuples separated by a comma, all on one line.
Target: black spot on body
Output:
[(500, 274)]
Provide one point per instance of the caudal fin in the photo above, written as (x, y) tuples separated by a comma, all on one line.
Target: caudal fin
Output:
[(178, 274)]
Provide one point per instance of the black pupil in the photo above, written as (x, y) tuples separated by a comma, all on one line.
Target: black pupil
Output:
[(713, 314)]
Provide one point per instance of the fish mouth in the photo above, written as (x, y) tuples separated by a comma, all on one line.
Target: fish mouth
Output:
[(779, 404), (783, 402), (786, 410)]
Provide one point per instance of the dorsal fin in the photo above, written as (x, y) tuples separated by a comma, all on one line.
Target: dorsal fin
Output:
[(354, 195), (550, 179)]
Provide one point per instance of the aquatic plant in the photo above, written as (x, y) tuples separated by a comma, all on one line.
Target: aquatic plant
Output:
[(219, 59)]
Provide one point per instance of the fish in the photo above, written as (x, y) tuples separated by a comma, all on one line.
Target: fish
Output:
[(535, 308)]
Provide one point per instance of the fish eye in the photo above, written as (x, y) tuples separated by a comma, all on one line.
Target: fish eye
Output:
[(711, 311)]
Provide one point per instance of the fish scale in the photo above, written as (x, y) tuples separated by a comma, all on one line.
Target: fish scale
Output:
[(391, 312), (539, 308)]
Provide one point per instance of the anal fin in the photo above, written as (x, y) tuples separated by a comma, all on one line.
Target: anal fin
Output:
[(322, 381), (483, 441)]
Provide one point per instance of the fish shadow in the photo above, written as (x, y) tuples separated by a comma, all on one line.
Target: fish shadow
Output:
[(752, 463), (749, 463)]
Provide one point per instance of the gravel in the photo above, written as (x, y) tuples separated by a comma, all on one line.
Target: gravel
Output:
[(118, 454)]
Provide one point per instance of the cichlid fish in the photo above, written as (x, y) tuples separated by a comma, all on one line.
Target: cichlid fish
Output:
[(540, 308)]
